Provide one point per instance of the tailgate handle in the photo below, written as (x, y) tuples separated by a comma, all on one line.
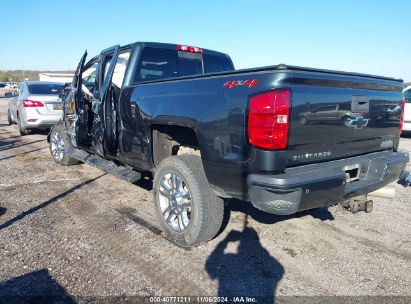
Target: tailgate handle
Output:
[(360, 104)]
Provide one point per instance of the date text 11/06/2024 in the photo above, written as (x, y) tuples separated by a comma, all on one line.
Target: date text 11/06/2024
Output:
[(202, 299)]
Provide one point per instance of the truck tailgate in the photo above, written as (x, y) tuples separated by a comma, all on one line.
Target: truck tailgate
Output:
[(336, 116)]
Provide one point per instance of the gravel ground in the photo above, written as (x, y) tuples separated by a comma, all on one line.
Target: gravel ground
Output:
[(74, 232)]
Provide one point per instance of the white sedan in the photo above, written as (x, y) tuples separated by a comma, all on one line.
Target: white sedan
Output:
[(36, 106)]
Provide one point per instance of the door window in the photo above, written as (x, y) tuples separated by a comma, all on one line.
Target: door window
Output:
[(120, 69), (107, 65), (89, 76)]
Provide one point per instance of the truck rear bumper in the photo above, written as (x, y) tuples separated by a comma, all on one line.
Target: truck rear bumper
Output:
[(324, 184)]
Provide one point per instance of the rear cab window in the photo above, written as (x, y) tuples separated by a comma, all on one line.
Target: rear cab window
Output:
[(216, 64), (159, 63), (45, 88)]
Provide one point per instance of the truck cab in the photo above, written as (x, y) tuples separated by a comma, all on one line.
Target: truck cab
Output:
[(92, 113)]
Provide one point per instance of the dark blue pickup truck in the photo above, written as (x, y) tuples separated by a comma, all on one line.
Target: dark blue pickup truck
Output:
[(284, 138)]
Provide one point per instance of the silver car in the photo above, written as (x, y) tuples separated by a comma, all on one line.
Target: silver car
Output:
[(36, 105)]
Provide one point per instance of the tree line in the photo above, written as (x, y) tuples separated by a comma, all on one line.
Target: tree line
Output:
[(20, 75)]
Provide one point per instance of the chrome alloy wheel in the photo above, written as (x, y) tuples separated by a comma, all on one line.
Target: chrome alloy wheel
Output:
[(175, 201), (57, 147)]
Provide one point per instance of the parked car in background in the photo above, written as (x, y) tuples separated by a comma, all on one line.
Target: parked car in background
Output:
[(407, 110), (36, 105), (328, 113)]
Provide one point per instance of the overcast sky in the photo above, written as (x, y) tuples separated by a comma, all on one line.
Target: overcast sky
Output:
[(361, 36)]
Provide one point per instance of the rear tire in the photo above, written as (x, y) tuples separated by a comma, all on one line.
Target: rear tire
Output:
[(59, 146), (23, 131), (188, 210), (9, 119)]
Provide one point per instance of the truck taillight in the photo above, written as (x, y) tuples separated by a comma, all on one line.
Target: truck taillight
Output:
[(32, 104), (402, 115), (187, 48), (268, 119)]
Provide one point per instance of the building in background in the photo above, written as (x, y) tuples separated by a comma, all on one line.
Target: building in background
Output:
[(56, 77)]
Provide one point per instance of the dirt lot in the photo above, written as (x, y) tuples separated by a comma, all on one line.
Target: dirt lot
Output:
[(76, 232)]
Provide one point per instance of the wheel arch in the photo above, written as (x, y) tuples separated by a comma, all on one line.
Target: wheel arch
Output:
[(168, 140)]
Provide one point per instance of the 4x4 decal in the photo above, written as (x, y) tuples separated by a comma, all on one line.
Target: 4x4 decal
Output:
[(233, 83)]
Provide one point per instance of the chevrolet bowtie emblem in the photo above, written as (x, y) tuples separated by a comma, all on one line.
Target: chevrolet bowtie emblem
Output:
[(358, 122)]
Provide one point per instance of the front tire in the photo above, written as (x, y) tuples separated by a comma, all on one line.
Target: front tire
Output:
[(188, 210), (59, 145)]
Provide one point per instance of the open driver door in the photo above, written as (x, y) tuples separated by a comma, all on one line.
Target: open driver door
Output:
[(84, 112), (74, 112), (99, 140)]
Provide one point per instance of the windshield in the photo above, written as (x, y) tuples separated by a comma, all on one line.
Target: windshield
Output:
[(45, 88)]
